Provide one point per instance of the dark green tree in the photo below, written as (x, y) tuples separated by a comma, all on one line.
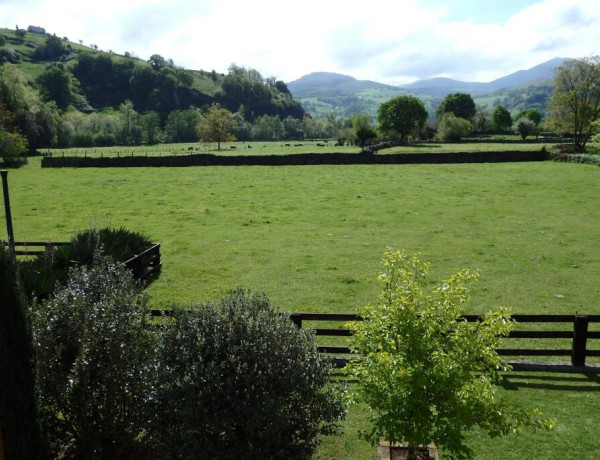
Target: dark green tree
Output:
[(52, 49), (151, 130), (460, 104), (20, 428), (293, 129), (141, 82), (157, 62), (501, 118), (401, 116), (57, 84)]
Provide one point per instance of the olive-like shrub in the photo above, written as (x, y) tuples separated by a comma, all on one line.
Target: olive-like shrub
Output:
[(93, 346), (237, 379)]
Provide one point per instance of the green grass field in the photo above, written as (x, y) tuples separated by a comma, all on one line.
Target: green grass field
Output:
[(311, 238), (280, 148)]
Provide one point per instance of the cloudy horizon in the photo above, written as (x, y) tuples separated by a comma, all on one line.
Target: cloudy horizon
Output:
[(395, 44)]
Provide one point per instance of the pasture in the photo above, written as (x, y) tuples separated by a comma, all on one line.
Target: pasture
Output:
[(311, 238), (283, 148)]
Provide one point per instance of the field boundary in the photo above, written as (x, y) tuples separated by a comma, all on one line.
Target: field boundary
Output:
[(300, 159), (579, 334), (142, 266)]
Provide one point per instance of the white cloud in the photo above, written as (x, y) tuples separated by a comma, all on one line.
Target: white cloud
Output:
[(391, 42)]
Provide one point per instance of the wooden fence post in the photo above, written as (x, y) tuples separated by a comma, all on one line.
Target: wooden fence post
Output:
[(580, 330), (9, 226), (296, 319)]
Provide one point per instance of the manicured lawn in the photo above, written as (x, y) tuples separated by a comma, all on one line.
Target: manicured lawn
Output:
[(311, 238)]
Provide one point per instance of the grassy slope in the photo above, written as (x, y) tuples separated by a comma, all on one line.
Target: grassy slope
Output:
[(311, 238), (31, 69)]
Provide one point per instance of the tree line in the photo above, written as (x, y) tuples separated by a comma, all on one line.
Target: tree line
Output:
[(85, 98)]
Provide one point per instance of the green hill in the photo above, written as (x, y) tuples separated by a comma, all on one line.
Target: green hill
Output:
[(103, 80), (323, 92)]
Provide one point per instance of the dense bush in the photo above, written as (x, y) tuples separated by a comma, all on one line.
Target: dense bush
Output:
[(41, 274), (93, 344), (453, 128), (525, 127), (19, 417), (239, 380)]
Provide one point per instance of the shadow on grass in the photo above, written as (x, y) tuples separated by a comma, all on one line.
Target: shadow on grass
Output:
[(560, 382)]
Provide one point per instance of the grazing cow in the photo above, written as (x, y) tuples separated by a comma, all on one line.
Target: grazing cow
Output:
[(320, 145), (232, 147), (190, 148), (249, 146)]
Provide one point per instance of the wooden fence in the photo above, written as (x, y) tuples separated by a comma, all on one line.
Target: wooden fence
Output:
[(143, 265), (578, 336)]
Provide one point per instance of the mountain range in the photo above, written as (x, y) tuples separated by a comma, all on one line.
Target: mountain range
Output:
[(323, 92)]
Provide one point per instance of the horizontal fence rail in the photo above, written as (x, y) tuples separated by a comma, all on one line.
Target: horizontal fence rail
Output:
[(34, 248), (143, 265), (578, 335)]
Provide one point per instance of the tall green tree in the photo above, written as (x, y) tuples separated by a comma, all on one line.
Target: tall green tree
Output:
[(151, 131), (268, 128), (575, 101), (501, 118), (460, 104), (14, 93), (181, 125), (20, 428), (401, 116), (216, 125), (132, 131), (363, 129)]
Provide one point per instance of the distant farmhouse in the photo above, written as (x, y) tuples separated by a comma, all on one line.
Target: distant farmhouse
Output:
[(36, 30)]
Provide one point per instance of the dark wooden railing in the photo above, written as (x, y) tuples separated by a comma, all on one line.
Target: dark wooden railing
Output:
[(34, 248), (146, 264), (143, 265), (579, 334)]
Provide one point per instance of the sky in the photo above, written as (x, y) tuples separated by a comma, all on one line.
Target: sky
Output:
[(388, 41)]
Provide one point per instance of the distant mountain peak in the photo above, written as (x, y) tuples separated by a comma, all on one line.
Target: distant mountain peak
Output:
[(324, 92)]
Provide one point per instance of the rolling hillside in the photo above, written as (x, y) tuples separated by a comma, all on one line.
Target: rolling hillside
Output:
[(321, 92), (103, 79)]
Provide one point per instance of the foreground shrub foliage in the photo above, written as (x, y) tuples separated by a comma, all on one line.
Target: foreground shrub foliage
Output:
[(229, 380), (20, 430), (93, 346), (239, 380), (427, 375)]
